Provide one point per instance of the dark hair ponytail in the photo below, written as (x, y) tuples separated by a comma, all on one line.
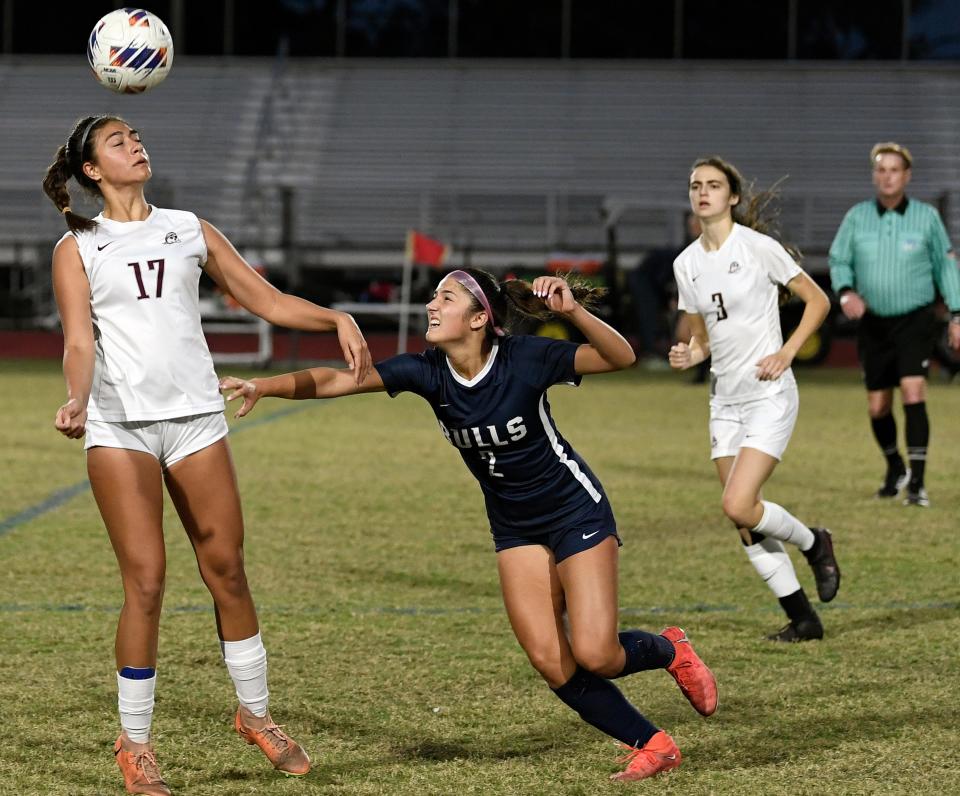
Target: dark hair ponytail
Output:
[(758, 210), (68, 163), (513, 301)]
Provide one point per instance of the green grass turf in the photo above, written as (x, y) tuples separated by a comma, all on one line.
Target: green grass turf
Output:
[(390, 657)]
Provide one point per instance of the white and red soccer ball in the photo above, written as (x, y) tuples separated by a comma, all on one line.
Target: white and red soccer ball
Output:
[(130, 50)]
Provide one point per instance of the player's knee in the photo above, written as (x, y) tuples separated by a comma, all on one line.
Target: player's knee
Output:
[(143, 589), (739, 510), (598, 657), (224, 574), (547, 663)]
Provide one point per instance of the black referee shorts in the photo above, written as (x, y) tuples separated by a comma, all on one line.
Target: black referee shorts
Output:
[(897, 346)]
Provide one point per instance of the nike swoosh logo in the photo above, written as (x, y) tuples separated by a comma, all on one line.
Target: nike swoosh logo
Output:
[(101, 248), (694, 278), (669, 757), (588, 535)]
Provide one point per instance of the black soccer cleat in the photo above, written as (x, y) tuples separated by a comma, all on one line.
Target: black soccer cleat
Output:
[(822, 561), (806, 629), (916, 497), (895, 481)]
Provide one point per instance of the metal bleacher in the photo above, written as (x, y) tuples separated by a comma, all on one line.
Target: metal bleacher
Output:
[(199, 131), (508, 155), (510, 160)]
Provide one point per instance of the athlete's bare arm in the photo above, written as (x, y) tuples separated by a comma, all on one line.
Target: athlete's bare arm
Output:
[(72, 291), (312, 383)]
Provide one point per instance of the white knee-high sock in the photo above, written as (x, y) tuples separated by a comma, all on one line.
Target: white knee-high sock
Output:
[(772, 563), (135, 702), (780, 524), (247, 663)]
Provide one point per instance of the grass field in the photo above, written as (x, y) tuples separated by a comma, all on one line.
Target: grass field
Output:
[(391, 659)]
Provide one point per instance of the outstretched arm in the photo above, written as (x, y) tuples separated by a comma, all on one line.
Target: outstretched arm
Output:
[(235, 276), (605, 350), (771, 367), (312, 383)]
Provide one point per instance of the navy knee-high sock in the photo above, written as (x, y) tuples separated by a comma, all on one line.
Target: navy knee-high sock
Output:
[(645, 651), (918, 436), (600, 703)]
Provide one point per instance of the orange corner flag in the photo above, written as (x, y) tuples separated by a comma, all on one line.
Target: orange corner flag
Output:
[(424, 250)]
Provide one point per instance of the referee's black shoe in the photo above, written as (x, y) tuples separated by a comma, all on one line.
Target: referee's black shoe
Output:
[(806, 629), (916, 497), (822, 561), (894, 481)]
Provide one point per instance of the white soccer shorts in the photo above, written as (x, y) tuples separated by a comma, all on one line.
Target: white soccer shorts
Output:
[(168, 441), (765, 424)]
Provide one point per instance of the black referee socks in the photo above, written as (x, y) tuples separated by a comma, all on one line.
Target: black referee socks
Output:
[(885, 432), (918, 437)]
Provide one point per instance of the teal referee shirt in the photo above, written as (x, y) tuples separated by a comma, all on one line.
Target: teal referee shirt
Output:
[(895, 259)]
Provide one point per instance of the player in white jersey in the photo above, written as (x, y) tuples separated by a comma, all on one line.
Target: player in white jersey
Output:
[(729, 281), (142, 388)]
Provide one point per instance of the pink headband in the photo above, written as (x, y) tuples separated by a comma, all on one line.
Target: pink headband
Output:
[(477, 292)]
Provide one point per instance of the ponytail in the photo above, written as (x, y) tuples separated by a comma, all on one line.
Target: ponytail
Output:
[(55, 187), (68, 163), (522, 301), (513, 301)]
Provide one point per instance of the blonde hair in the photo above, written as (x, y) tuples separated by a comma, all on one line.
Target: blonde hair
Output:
[(891, 148)]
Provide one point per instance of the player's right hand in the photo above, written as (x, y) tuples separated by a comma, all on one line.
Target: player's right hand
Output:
[(680, 356), (241, 389), (71, 419)]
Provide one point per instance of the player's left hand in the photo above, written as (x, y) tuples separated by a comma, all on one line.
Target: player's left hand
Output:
[(953, 334), (771, 368), (355, 351), (556, 294), (241, 389)]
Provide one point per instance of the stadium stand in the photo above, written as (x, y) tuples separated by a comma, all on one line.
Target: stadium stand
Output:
[(506, 159)]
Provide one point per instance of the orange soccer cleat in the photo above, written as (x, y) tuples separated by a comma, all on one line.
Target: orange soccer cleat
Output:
[(657, 755), (138, 763), (696, 681), (286, 754)]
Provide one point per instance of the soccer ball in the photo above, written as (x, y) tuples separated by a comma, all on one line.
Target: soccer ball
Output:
[(130, 50)]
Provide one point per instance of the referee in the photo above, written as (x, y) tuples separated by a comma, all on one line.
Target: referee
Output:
[(888, 257)]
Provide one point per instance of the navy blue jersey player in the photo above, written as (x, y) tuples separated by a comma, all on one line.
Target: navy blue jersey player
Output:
[(554, 532), (533, 482)]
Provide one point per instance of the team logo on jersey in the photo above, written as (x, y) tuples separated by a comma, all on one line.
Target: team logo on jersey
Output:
[(734, 267), (485, 437), (171, 238)]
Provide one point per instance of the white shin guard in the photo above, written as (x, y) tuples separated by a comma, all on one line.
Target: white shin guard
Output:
[(773, 564), (246, 661), (135, 702)]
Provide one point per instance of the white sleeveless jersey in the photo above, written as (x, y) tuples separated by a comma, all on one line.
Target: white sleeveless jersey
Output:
[(152, 360), (735, 290)]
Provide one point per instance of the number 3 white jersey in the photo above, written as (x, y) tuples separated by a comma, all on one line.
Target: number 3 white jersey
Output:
[(735, 290), (152, 360)]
